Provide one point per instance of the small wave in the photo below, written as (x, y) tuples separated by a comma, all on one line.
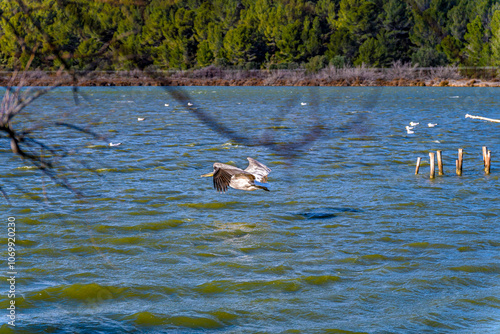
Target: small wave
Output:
[(93, 249), (79, 292), (214, 149), (320, 280), (280, 270), (426, 244), (278, 127), (273, 246), (151, 319), (490, 301), (210, 205), (284, 285), (373, 257), (125, 240), (370, 259), (341, 331), (27, 167), (103, 170), (433, 323), (224, 316), (491, 269), (31, 221), (26, 242), (157, 226), (459, 281), (145, 213)]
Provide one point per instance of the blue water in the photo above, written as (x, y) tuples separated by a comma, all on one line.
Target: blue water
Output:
[(347, 240)]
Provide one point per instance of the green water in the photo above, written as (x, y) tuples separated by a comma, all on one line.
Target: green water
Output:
[(347, 240)]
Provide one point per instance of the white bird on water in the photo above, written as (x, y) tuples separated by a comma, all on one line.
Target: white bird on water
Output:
[(414, 123), (408, 130), (166, 104), (115, 144), (140, 119), (190, 104), (303, 103), (431, 125)]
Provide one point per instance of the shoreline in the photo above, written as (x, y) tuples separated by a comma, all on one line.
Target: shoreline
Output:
[(260, 78)]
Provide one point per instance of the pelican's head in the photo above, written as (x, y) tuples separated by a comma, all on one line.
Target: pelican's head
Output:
[(211, 173)]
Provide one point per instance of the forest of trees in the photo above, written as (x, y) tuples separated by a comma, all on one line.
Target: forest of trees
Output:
[(248, 34)]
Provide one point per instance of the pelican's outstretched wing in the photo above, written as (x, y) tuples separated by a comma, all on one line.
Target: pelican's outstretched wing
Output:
[(221, 179), (259, 170)]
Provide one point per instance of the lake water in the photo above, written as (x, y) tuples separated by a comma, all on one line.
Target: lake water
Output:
[(347, 240)]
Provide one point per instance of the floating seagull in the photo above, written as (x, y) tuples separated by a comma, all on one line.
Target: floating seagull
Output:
[(115, 144), (236, 178), (166, 104), (190, 104), (408, 130), (431, 125), (140, 119), (414, 123), (303, 103)]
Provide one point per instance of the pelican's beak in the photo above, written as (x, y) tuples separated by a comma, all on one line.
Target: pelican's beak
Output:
[(208, 175)]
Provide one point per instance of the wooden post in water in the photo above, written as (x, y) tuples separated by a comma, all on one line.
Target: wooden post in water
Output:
[(440, 162), (418, 165), (431, 158), (487, 163), (485, 153), (460, 161)]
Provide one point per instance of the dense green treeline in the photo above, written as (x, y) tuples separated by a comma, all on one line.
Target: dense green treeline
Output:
[(183, 34)]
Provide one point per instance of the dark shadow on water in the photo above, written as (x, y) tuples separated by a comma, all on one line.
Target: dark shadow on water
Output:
[(324, 213)]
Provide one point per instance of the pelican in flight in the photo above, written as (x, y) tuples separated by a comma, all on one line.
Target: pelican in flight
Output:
[(236, 178)]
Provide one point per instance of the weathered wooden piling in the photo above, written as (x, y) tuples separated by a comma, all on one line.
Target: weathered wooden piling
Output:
[(485, 153), (459, 162), (487, 163), (431, 158), (440, 162), (417, 168)]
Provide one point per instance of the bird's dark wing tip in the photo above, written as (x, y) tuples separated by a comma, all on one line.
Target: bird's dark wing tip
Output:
[(221, 179)]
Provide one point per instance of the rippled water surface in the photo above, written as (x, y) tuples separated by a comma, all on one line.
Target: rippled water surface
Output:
[(348, 239)]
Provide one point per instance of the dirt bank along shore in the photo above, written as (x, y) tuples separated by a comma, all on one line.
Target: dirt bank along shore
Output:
[(234, 78)]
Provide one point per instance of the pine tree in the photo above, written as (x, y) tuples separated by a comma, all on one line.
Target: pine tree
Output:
[(371, 53), (476, 50), (204, 55), (290, 47), (495, 38), (311, 37), (452, 48), (396, 21)]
